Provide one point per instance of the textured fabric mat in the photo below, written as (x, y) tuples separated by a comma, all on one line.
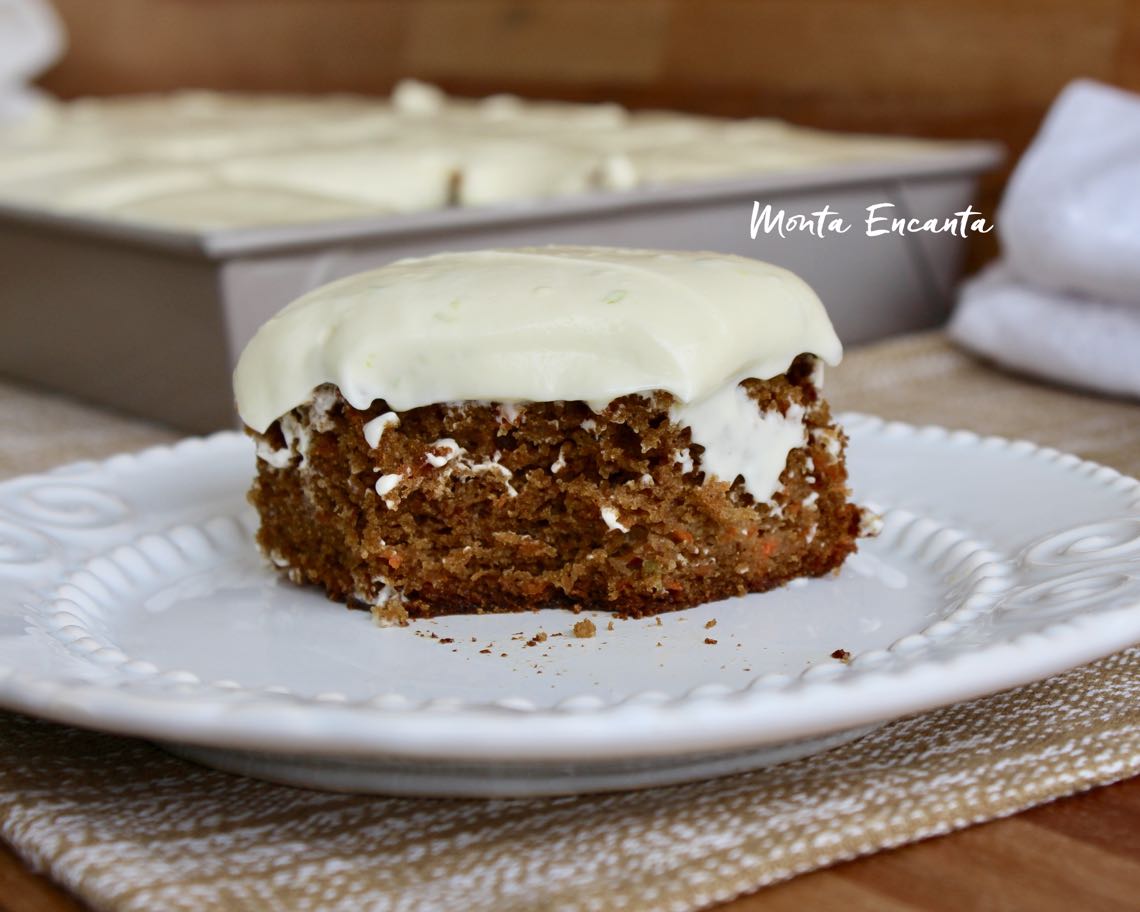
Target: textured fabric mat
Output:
[(125, 826)]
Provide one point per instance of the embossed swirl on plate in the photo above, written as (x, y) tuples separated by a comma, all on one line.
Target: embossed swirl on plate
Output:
[(1092, 567), (23, 546), (1108, 540), (62, 505)]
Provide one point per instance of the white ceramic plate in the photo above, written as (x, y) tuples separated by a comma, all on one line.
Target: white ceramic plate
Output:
[(132, 599)]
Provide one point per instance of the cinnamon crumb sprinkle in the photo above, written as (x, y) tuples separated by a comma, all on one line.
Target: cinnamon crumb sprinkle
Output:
[(446, 640), (843, 655), (610, 625), (710, 624), (484, 651), (709, 641), (658, 620)]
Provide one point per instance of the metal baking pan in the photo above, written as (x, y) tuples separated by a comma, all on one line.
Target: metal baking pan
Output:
[(151, 321)]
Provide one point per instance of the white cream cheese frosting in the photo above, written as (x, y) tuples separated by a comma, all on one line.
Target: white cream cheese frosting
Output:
[(205, 161), (536, 325), (375, 428), (739, 439)]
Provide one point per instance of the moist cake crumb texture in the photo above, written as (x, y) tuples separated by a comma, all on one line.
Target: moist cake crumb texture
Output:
[(481, 507)]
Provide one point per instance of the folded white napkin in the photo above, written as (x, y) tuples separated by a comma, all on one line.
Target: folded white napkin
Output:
[(31, 40), (1064, 301), (1050, 334)]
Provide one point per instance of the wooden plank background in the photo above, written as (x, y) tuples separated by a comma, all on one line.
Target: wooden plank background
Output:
[(940, 68)]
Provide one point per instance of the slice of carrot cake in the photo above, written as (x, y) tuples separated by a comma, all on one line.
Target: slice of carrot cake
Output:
[(629, 430)]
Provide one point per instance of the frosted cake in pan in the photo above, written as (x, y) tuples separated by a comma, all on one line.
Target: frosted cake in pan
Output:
[(204, 161)]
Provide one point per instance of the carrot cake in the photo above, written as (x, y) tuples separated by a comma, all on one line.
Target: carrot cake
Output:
[(628, 430)]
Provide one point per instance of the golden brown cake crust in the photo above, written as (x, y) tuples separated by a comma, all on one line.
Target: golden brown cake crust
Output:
[(516, 517)]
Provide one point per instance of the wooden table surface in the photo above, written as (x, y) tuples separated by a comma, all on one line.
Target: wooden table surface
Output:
[(1076, 854)]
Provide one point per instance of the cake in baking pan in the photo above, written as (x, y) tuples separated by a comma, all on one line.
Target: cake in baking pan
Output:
[(204, 161), (628, 430)]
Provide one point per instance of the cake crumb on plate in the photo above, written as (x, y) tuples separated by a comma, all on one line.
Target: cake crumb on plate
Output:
[(584, 629)]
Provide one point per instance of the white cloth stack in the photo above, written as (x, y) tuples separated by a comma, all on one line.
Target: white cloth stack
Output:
[(31, 40), (1064, 300)]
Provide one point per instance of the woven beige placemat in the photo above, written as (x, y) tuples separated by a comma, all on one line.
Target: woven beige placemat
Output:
[(126, 826)]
